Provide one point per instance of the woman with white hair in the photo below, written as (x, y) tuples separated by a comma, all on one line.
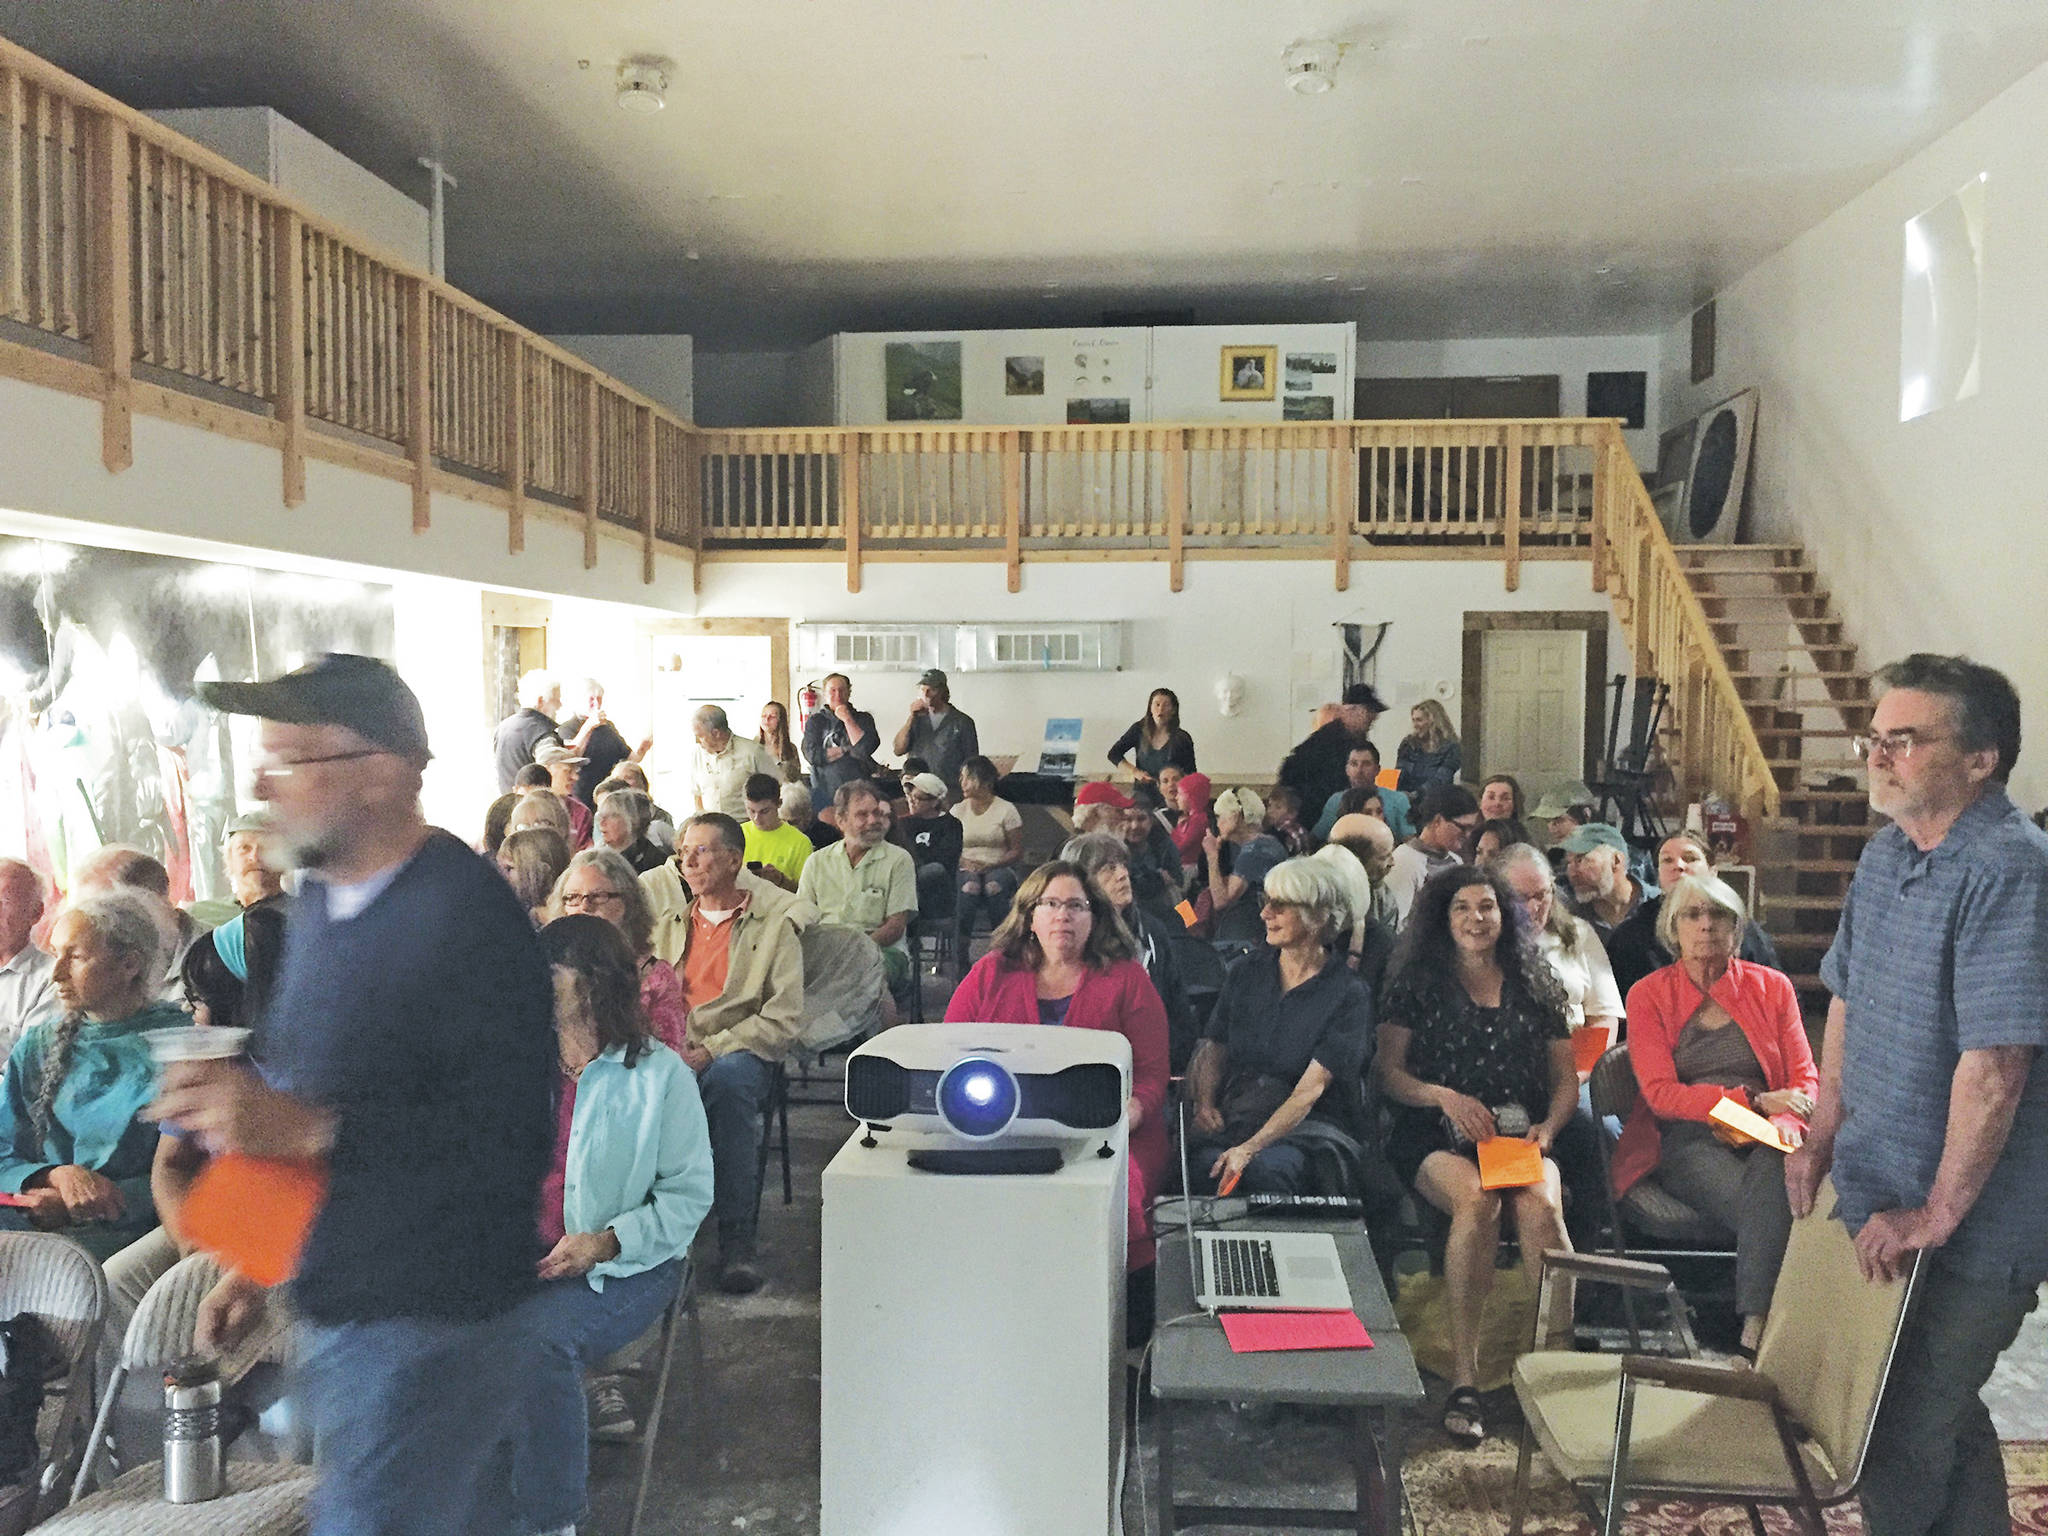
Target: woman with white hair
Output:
[(70, 1144), (1574, 951), (623, 817), (1275, 1078), (1712, 1026), (1239, 855)]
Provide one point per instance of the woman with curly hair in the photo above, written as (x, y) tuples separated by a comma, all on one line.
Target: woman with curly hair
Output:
[(1473, 1044), (70, 1144), (601, 883)]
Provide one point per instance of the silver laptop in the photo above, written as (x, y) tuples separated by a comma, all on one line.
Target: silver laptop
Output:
[(1260, 1270)]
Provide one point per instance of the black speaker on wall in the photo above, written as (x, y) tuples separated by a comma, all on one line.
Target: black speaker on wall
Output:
[(1618, 394)]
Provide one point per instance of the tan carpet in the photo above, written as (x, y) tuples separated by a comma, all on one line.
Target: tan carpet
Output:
[(1454, 1492)]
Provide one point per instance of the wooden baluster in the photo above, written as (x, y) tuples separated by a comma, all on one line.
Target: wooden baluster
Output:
[(1013, 508), (419, 400), (849, 506), (590, 388), (514, 348), (113, 336), (1606, 466), (13, 247), (288, 395), (645, 434), (1511, 506)]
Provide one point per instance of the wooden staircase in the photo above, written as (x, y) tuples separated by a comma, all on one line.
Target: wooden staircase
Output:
[(1806, 696)]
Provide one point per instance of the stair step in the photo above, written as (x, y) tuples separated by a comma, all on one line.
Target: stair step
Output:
[(1799, 903), (1798, 828), (1807, 941), (1833, 796)]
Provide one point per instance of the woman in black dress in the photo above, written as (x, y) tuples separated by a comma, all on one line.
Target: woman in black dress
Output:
[(1473, 1044)]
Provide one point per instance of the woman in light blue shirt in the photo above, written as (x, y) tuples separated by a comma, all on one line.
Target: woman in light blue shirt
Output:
[(628, 1186)]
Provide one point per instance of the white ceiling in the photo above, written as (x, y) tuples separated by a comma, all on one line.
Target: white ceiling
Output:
[(1484, 167)]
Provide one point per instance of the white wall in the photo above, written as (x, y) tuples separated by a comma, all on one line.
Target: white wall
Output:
[(267, 144), (1571, 358), (746, 389), (1267, 621), (660, 367), (1928, 533)]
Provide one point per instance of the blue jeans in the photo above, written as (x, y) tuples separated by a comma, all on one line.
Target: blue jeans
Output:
[(413, 1421), (1282, 1169), (574, 1327), (735, 1087)]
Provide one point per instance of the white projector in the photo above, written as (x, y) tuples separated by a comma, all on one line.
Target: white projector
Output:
[(968, 1085)]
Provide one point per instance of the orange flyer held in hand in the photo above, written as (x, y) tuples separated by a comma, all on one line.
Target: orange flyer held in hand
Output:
[(1509, 1162), (1388, 778), (1744, 1121), (255, 1213)]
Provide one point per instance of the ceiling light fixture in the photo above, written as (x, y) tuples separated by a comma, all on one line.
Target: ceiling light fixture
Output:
[(1310, 68), (643, 86)]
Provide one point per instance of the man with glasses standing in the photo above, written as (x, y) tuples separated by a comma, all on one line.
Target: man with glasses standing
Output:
[(1933, 1113), (410, 1046)]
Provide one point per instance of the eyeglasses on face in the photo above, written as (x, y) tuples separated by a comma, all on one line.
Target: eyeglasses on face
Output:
[(1073, 908), (1896, 745), (579, 901)]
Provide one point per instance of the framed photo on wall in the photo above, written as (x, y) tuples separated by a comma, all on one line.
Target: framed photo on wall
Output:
[(1248, 373)]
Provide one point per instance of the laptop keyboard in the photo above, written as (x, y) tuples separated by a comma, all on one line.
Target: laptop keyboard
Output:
[(1242, 1266)]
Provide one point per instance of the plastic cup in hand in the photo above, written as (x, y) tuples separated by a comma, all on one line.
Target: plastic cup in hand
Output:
[(196, 1042)]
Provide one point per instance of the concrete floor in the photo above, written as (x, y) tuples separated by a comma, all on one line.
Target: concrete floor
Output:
[(738, 1450)]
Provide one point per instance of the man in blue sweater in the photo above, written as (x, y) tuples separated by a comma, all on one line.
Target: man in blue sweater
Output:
[(410, 1045)]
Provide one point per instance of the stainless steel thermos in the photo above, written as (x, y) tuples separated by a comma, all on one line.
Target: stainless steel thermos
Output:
[(192, 1439)]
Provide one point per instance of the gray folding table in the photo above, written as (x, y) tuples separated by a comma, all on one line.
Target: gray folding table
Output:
[(1193, 1362)]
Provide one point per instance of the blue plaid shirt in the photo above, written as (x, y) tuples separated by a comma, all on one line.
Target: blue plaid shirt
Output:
[(1939, 953)]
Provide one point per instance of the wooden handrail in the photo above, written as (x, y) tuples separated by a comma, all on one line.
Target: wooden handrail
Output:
[(1719, 748)]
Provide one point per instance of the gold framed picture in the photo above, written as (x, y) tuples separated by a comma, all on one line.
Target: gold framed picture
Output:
[(1248, 372)]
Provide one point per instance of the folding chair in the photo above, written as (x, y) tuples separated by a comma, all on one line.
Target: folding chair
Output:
[(1793, 1431), (649, 1358), (774, 1115)]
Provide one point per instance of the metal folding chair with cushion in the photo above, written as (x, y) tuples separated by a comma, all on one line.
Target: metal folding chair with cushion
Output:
[(1649, 1219), (161, 1332), (61, 1284), (649, 1358), (1793, 1431)]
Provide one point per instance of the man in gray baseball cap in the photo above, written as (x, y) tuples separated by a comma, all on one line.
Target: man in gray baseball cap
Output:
[(409, 1046), (1604, 893), (934, 730)]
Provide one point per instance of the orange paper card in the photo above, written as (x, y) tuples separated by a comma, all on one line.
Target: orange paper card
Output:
[(254, 1213), (1185, 911), (1589, 1044), (1745, 1121), (1255, 1332), (1388, 778), (1508, 1162)]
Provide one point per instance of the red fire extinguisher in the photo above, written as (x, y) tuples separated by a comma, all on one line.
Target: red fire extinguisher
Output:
[(807, 700)]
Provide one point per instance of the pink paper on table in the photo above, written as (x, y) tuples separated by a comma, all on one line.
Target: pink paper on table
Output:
[(1255, 1332)]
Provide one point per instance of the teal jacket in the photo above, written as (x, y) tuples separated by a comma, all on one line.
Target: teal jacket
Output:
[(93, 1124), (639, 1159)]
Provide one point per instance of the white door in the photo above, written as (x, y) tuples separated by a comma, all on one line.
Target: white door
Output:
[(731, 671), (1532, 706)]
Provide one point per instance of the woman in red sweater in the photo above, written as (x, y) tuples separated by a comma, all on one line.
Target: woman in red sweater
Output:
[(1710, 1027), (1063, 956)]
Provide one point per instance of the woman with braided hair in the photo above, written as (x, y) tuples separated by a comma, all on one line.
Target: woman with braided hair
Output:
[(70, 1145)]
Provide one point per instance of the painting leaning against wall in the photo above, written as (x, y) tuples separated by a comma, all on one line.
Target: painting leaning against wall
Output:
[(101, 738)]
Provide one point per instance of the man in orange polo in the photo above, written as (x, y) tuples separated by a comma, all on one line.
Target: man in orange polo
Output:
[(734, 940)]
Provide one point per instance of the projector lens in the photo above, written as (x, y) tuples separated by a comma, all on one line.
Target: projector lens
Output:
[(977, 1098)]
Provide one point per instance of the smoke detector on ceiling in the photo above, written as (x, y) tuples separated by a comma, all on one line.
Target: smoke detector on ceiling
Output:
[(1310, 68), (643, 86)]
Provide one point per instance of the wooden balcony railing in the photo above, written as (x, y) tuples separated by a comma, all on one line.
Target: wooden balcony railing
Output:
[(140, 270)]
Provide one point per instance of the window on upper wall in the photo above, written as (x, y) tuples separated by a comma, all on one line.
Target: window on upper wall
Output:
[(1941, 304)]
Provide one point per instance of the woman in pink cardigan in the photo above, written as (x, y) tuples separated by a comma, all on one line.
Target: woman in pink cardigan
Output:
[(1706, 1028), (1063, 956)]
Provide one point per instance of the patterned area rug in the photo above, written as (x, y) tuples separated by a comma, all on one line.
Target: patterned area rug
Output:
[(1454, 1492)]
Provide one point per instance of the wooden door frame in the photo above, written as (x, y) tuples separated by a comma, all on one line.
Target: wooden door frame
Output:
[(776, 631), (1478, 625)]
